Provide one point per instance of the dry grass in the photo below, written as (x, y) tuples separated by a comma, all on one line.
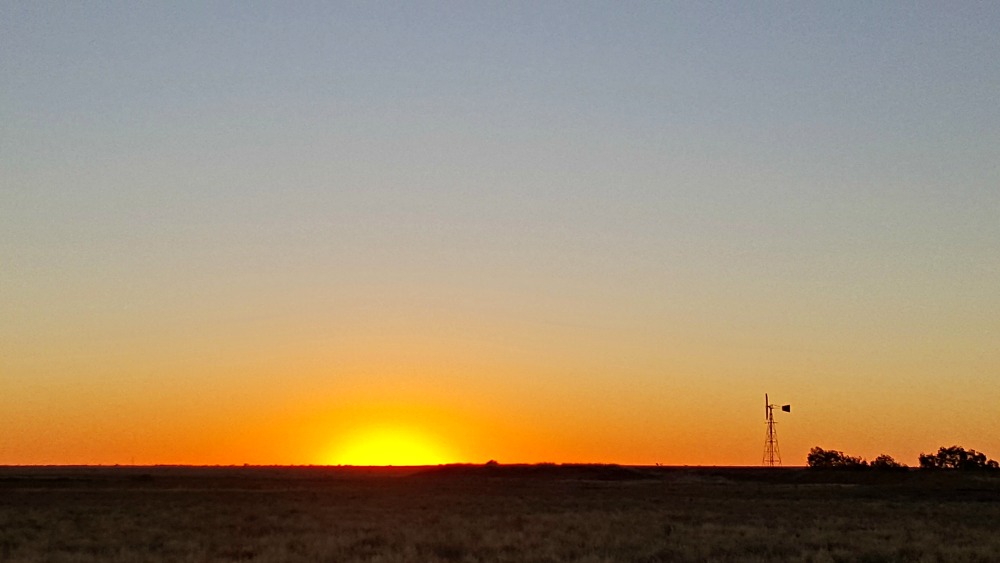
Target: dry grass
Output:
[(559, 514)]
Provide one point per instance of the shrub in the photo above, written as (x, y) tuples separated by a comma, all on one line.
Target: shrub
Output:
[(820, 458), (886, 462), (957, 457)]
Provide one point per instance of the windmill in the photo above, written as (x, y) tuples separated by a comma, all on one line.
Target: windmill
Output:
[(772, 455)]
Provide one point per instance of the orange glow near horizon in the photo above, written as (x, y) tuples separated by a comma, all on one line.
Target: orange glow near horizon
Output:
[(389, 445)]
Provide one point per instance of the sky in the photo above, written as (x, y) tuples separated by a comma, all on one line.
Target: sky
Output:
[(397, 233)]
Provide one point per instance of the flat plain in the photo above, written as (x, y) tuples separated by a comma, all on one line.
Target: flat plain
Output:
[(501, 513)]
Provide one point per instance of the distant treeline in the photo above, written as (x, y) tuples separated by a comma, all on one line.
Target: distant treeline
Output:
[(954, 457)]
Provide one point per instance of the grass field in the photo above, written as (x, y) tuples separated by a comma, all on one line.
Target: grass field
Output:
[(506, 513)]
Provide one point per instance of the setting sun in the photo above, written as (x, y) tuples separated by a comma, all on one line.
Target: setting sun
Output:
[(389, 446)]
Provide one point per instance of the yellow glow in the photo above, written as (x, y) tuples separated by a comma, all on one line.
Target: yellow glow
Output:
[(390, 446)]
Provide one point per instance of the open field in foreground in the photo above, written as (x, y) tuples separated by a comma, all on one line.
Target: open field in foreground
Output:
[(507, 513)]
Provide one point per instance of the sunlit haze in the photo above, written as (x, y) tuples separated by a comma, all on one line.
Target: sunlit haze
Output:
[(420, 233)]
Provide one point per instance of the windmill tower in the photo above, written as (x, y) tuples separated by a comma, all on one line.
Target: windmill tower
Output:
[(772, 455)]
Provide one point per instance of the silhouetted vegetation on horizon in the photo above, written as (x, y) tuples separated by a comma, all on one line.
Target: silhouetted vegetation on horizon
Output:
[(818, 457), (956, 457), (953, 457), (886, 462)]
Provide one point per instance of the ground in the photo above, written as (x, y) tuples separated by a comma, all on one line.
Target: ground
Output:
[(495, 513)]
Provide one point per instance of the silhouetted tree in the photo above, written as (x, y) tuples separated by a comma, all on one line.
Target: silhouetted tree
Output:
[(885, 462), (957, 457), (820, 458)]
